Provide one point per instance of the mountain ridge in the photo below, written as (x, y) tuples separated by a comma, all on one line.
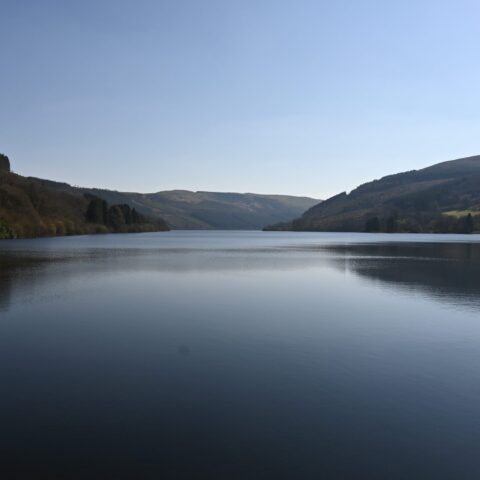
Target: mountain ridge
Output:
[(443, 198), (186, 209), (31, 207)]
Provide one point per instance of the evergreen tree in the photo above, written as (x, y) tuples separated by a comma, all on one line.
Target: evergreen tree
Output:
[(104, 212), (4, 163), (469, 223), (138, 217), (372, 225), (116, 219), (391, 224), (97, 211), (127, 213)]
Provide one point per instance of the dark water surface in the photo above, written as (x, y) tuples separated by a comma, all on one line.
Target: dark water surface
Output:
[(240, 355)]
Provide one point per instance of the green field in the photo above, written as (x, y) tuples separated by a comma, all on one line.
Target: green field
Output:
[(462, 213)]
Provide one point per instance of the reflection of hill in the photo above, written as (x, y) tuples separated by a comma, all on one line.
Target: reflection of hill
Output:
[(27, 273), (5, 290), (14, 271), (446, 272), (449, 272)]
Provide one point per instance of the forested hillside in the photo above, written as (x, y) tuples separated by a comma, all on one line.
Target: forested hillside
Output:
[(443, 198), (29, 208), (183, 209)]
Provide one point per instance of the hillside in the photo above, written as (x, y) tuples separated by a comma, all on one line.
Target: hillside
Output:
[(183, 209), (30, 208), (443, 198)]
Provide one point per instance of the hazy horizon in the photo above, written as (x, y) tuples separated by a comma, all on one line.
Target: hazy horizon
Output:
[(310, 99)]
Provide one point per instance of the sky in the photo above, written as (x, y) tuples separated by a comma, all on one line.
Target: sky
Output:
[(301, 97)]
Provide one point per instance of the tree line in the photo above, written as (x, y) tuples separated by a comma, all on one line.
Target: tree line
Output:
[(118, 218), (32, 208), (466, 224)]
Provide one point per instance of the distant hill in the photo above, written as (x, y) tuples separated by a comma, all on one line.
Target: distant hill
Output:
[(31, 208), (442, 198), (183, 209)]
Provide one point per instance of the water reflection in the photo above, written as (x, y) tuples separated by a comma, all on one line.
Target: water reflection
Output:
[(19, 274), (239, 356), (447, 272)]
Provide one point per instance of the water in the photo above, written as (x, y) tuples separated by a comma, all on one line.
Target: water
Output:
[(240, 355)]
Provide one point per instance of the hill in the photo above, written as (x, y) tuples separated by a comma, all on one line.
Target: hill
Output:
[(183, 209), (443, 198), (30, 208)]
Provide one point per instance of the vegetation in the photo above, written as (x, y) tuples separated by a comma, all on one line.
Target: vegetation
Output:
[(444, 198), (117, 218), (30, 208), (372, 225), (54, 208), (4, 163), (462, 213), (183, 209)]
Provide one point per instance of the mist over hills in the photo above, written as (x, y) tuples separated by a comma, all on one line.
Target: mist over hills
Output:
[(443, 198)]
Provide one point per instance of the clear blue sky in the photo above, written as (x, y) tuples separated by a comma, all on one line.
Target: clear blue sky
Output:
[(271, 96)]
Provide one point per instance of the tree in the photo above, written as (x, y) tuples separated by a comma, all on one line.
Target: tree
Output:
[(372, 225), (468, 224), (391, 224), (5, 230), (97, 211), (4, 163), (116, 218), (138, 217), (127, 213)]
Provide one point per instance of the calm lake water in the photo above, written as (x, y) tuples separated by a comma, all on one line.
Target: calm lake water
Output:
[(240, 355)]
